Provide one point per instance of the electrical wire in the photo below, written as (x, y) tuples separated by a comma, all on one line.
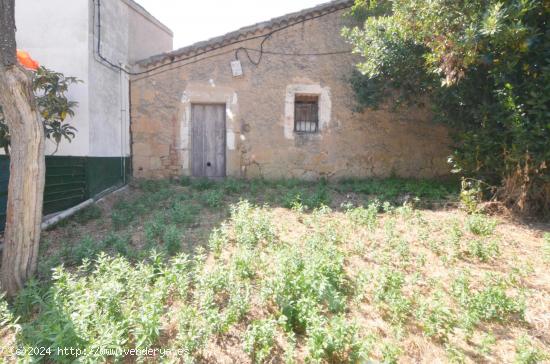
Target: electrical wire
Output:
[(149, 73), (300, 54), (248, 49), (261, 51), (255, 63), (182, 65), (240, 41)]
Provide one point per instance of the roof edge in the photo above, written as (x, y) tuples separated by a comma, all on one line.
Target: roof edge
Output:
[(242, 33), (147, 15)]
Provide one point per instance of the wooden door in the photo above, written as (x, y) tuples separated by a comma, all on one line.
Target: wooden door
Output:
[(208, 142)]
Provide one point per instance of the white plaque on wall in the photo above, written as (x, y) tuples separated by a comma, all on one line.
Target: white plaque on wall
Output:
[(236, 68)]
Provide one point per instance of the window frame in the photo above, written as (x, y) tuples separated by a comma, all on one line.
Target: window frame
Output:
[(307, 99)]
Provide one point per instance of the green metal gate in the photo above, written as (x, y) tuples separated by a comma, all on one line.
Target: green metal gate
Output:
[(70, 180)]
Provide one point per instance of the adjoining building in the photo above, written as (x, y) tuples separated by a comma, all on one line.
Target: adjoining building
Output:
[(95, 41), (83, 39)]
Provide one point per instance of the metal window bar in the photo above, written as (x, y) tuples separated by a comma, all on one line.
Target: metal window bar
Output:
[(306, 114)]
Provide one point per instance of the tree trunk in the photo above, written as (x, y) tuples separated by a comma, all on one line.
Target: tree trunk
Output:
[(27, 167)]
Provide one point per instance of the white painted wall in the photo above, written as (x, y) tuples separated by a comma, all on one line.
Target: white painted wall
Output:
[(55, 33), (106, 117), (62, 35)]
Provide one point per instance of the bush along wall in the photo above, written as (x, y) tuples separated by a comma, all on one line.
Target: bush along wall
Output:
[(484, 67)]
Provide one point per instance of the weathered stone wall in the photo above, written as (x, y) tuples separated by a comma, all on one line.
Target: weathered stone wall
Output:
[(259, 112)]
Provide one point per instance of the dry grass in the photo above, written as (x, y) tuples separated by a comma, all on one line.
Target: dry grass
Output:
[(431, 249)]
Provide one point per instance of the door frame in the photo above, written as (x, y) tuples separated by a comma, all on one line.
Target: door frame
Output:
[(192, 144)]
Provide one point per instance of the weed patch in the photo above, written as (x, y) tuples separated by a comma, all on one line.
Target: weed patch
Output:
[(213, 198), (259, 339), (392, 189), (184, 213), (315, 276), (491, 303), (481, 225), (92, 212), (102, 306)]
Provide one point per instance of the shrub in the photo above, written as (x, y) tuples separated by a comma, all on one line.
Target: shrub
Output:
[(154, 228), (217, 241), (454, 240), (496, 110), (479, 224), (221, 297), (470, 195), (292, 198), (527, 353), (185, 181), (86, 248), (365, 217), (232, 185), (310, 200), (394, 188), (455, 354), (193, 330), (259, 339), (46, 264), (436, 318), (491, 303), (391, 353), (118, 243), (244, 262), (335, 341), (483, 250), (388, 294), (152, 186), (251, 224), (302, 283), (289, 183), (202, 184), (103, 308), (183, 213), (125, 211), (319, 197), (213, 198), (7, 319), (122, 218), (171, 238), (487, 342)]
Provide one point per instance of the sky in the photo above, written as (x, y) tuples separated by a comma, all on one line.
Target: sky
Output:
[(197, 20)]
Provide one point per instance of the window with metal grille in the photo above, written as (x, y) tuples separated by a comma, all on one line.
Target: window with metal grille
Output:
[(306, 113)]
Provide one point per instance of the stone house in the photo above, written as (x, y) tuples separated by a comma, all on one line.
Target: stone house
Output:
[(273, 100)]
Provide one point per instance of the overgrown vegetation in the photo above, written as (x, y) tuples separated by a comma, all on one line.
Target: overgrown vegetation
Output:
[(483, 67), (253, 278)]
